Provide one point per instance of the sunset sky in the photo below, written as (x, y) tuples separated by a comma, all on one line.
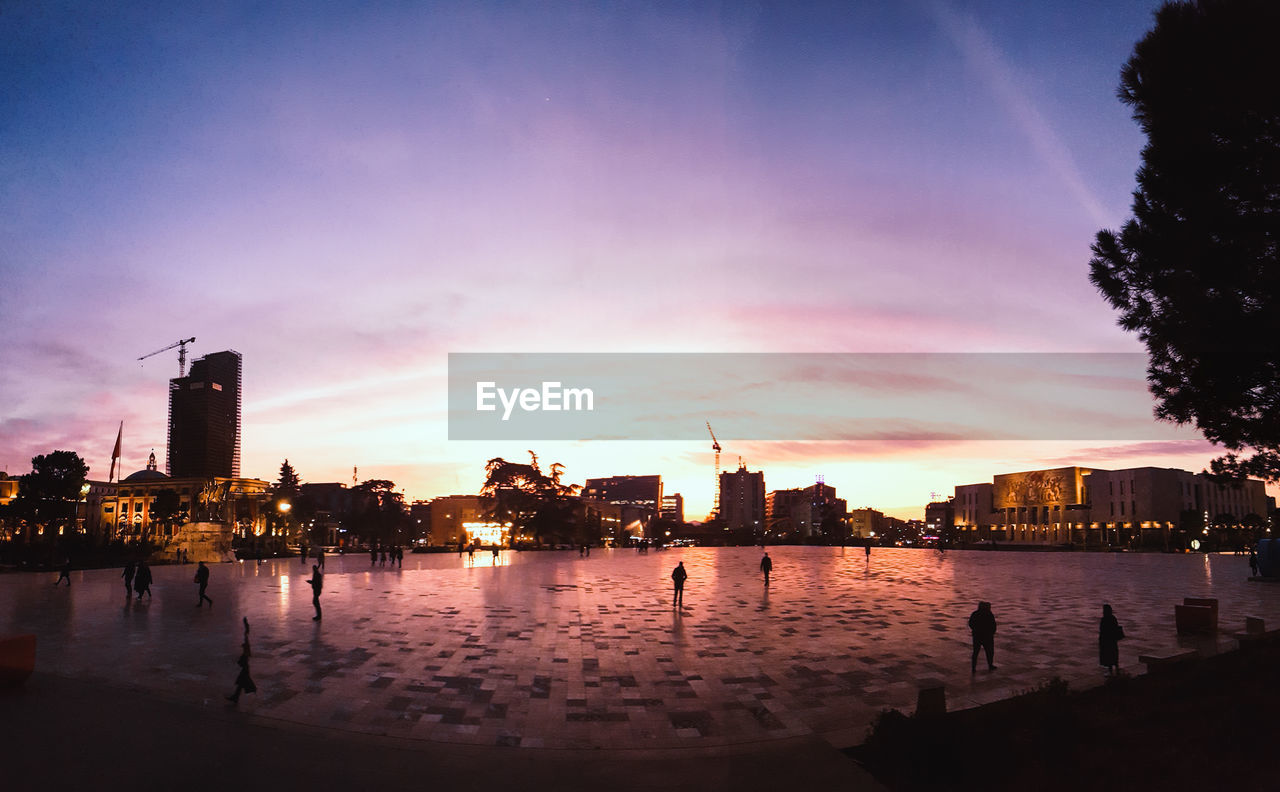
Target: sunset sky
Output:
[(347, 196)]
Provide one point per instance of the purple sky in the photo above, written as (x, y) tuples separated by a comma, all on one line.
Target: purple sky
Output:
[(347, 197)]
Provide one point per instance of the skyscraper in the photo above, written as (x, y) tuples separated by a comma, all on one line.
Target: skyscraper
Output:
[(204, 418)]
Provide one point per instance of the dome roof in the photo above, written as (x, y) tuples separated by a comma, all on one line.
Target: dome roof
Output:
[(146, 475)]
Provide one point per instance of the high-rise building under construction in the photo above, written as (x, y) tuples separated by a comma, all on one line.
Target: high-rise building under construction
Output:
[(204, 418)]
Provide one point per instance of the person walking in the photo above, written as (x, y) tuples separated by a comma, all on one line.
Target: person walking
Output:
[(128, 579), (982, 623), (399, 557), (1109, 635), (320, 557), (678, 576), (65, 574), (1253, 561), (244, 682), (766, 566), (142, 580), (373, 555), (867, 548), (202, 580), (317, 585)]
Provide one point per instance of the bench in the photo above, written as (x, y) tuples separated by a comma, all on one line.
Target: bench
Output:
[(1196, 616), (17, 659), (1157, 663)]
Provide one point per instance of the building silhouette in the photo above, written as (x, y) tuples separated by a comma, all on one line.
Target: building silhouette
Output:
[(204, 419), (742, 500)]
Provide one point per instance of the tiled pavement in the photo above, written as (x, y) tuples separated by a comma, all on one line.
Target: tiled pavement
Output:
[(549, 650)]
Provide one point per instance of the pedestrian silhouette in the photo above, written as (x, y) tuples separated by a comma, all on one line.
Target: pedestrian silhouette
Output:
[(867, 548), (319, 557), (399, 557), (202, 580), (317, 584), (766, 566), (982, 623), (1253, 561), (373, 555), (1109, 634), (244, 682), (65, 574), (678, 576), (128, 578), (382, 559), (142, 580)]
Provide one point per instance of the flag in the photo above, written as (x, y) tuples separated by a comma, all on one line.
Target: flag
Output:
[(115, 454)]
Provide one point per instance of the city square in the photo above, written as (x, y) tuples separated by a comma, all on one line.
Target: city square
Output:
[(551, 650)]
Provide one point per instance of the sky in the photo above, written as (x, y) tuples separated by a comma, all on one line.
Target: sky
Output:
[(346, 195)]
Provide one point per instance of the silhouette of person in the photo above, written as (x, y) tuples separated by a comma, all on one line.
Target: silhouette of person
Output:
[(982, 623), (302, 556), (142, 580), (373, 555), (128, 579), (382, 559), (1253, 562), (202, 580), (319, 557), (399, 557), (1109, 634), (766, 566), (867, 549), (244, 682), (65, 574), (678, 576), (317, 584), (495, 554)]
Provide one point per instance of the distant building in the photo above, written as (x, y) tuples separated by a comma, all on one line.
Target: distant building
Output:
[(939, 519), (8, 489), (1146, 506), (204, 419), (673, 508), (742, 500), (865, 523), (805, 511), (420, 521), (123, 510), (463, 518), (642, 491), (330, 501)]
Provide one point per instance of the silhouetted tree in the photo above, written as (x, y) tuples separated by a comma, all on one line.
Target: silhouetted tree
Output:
[(533, 502), (47, 496), (1194, 271), (378, 512)]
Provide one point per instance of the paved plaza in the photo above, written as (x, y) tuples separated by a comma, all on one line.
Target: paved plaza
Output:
[(550, 651)]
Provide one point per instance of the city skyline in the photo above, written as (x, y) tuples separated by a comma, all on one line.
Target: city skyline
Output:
[(347, 197)]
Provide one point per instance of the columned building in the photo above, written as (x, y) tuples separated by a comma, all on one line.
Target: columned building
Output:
[(1092, 507)]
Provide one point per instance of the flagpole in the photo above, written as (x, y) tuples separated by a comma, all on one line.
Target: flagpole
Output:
[(115, 456)]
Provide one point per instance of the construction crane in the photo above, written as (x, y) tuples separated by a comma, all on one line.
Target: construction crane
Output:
[(182, 354), (715, 446)]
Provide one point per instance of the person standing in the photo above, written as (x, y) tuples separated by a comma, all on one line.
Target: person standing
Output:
[(678, 576), (142, 580), (1253, 561), (373, 555), (399, 557), (65, 574), (982, 623), (202, 580), (1109, 635), (766, 566), (320, 557), (317, 584), (244, 682), (867, 548), (128, 579)]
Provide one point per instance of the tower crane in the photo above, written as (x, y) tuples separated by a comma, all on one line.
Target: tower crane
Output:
[(715, 446), (182, 354)]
